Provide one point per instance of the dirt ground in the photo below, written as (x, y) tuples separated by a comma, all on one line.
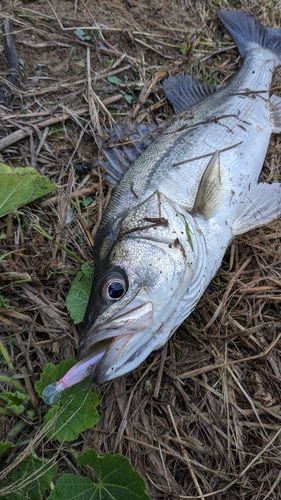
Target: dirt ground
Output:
[(202, 417)]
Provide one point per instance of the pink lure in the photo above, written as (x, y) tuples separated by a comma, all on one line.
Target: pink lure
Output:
[(77, 373)]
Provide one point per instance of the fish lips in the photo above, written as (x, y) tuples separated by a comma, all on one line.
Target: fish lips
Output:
[(124, 334), (124, 354)]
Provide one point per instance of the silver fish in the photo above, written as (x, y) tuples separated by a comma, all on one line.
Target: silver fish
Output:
[(177, 208)]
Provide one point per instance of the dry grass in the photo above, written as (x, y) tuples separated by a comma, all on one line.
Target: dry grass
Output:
[(201, 418)]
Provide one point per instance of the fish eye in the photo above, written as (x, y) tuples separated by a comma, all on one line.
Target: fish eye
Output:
[(113, 287)]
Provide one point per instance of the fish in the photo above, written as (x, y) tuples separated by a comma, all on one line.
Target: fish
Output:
[(183, 191)]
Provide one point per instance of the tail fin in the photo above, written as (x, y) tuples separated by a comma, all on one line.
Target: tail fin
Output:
[(248, 32)]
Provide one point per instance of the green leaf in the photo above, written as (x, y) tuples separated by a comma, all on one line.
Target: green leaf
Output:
[(81, 63), (4, 302), (21, 185), (72, 414), (71, 487), (78, 295), (80, 34), (17, 401), (4, 447), (76, 409), (129, 98), (83, 35), (116, 480), (30, 479), (21, 63), (114, 79), (86, 201)]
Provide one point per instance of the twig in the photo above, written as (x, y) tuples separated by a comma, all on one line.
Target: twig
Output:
[(160, 371), (13, 77), (162, 54), (78, 193)]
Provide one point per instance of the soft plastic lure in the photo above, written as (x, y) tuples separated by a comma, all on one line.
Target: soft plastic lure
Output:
[(78, 372)]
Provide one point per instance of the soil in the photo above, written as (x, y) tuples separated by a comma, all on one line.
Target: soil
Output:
[(201, 417)]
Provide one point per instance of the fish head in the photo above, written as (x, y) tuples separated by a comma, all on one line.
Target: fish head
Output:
[(137, 286)]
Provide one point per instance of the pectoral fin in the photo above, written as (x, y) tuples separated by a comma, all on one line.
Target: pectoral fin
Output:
[(209, 194), (261, 205)]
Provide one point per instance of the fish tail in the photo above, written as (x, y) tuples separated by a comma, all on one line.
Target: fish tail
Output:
[(249, 33)]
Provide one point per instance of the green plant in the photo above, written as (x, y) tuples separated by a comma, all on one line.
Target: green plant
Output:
[(108, 477)]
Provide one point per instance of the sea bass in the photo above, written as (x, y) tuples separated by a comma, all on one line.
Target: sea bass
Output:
[(177, 208)]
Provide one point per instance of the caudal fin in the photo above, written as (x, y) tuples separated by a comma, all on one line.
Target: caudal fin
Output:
[(249, 33)]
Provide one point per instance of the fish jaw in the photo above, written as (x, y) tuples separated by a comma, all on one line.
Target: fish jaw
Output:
[(124, 354), (128, 331), (128, 337), (136, 316)]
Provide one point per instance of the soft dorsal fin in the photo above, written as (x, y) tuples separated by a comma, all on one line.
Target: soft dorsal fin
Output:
[(208, 198), (184, 91), (123, 146)]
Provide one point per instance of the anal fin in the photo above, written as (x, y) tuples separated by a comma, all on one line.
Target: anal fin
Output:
[(261, 205)]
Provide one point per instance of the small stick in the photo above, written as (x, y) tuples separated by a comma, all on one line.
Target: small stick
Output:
[(255, 289), (13, 77)]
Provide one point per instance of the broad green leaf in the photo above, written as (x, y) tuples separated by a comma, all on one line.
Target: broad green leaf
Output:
[(115, 476), (73, 413), (30, 479), (114, 79), (78, 295), (71, 487), (76, 409), (21, 185), (116, 480), (4, 447)]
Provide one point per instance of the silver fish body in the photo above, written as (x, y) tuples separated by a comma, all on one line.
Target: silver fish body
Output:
[(177, 208)]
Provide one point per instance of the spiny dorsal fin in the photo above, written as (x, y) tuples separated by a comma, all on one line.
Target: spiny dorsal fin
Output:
[(184, 91), (123, 146), (208, 198)]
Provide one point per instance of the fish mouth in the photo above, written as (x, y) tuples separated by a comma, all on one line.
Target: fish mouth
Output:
[(121, 356), (123, 339)]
